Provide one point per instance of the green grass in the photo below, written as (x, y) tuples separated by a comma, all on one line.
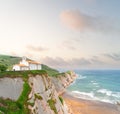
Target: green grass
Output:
[(38, 97), (9, 106), (61, 100), (23, 74), (20, 106), (9, 61), (51, 103), (50, 71), (24, 97)]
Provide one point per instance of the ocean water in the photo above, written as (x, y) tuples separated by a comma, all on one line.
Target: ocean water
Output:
[(102, 85)]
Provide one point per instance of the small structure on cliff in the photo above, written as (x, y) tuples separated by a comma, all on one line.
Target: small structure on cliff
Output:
[(25, 64)]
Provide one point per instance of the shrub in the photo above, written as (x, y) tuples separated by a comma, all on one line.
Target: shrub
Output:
[(3, 68), (61, 100)]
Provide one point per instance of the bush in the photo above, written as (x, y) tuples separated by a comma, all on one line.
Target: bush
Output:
[(3, 68), (61, 99)]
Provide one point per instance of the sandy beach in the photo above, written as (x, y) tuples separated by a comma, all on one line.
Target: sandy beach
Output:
[(81, 106)]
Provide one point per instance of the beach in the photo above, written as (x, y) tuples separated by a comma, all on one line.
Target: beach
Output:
[(82, 106)]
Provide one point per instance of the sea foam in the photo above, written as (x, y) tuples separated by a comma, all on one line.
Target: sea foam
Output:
[(105, 91)]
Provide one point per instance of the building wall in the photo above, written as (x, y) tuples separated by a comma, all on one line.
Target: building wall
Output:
[(24, 68), (32, 66), (39, 67), (16, 67)]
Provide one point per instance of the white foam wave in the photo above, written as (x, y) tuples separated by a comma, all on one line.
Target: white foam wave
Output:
[(105, 91), (116, 94), (95, 83), (89, 96), (81, 77), (83, 95), (97, 86)]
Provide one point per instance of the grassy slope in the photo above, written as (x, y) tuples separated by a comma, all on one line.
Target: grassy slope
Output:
[(9, 60), (50, 71)]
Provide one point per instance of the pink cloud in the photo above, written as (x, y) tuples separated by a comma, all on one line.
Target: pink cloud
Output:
[(77, 20), (35, 48), (73, 19)]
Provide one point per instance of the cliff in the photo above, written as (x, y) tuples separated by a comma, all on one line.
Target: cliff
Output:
[(33, 92)]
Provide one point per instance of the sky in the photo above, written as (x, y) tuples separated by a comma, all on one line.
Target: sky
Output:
[(64, 34)]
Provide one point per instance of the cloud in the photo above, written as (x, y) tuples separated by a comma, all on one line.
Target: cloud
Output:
[(13, 53), (36, 49), (69, 44), (61, 63), (114, 56), (94, 62), (74, 19), (77, 20), (79, 62), (54, 62)]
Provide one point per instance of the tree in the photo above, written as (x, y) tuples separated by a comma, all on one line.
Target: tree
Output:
[(3, 68)]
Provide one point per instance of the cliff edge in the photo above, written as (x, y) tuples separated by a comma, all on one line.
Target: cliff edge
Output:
[(33, 92)]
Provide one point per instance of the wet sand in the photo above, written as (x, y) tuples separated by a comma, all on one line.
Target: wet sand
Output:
[(81, 106)]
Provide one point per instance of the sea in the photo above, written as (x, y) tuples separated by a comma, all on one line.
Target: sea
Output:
[(101, 85)]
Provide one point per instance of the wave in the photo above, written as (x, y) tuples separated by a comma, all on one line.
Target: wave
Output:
[(94, 82), (91, 96), (83, 95), (105, 91), (81, 77), (109, 93)]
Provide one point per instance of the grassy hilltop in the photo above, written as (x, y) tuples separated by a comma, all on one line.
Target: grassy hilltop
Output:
[(9, 61)]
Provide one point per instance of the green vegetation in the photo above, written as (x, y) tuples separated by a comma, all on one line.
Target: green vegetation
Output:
[(3, 68), (24, 97), (8, 106), (51, 103), (20, 106), (38, 97), (50, 71), (61, 100), (9, 61), (69, 72), (59, 74), (23, 74)]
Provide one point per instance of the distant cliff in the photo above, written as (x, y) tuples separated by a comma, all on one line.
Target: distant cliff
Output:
[(33, 92)]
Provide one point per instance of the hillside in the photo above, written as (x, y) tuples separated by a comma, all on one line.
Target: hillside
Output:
[(49, 70), (11, 60)]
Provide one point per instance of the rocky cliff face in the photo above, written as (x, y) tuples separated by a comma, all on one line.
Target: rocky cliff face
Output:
[(63, 80), (37, 94)]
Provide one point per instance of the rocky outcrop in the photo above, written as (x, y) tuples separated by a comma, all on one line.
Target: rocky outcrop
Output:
[(43, 95), (63, 80)]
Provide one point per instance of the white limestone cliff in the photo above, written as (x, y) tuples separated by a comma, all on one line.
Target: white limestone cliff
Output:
[(44, 94)]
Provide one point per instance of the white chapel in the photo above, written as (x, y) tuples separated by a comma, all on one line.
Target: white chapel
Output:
[(25, 64)]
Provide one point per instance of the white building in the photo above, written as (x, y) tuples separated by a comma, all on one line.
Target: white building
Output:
[(27, 65)]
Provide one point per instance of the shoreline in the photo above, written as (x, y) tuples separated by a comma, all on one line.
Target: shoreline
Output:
[(84, 106)]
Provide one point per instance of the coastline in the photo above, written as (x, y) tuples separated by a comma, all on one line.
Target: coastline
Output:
[(83, 106)]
